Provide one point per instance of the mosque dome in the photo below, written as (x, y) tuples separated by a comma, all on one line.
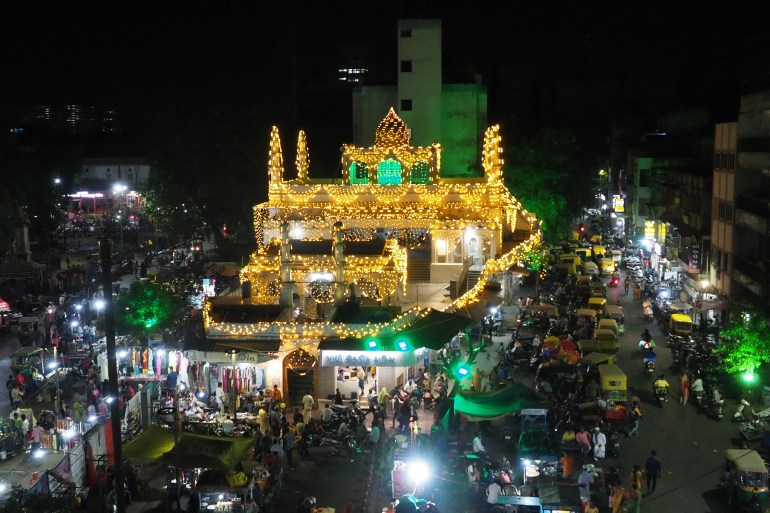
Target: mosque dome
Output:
[(392, 131)]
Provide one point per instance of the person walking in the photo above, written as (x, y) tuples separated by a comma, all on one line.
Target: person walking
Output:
[(653, 470), (684, 387), (626, 284), (338, 397), (634, 415), (288, 447), (307, 407), (636, 478), (361, 375), (600, 444)]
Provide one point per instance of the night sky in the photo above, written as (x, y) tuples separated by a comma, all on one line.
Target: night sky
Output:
[(282, 61)]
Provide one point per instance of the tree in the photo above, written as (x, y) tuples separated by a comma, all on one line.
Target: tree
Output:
[(552, 177), (457, 358), (18, 500), (206, 170), (146, 309), (744, 343), (36, 158)]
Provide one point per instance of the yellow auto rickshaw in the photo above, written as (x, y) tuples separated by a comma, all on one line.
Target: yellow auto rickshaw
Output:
[(597, 304), (616, 313), (679, 327), (607, 341), (609, 324), (584, 284), (586, 316), (613, 384), (598, 289), (744, 480)]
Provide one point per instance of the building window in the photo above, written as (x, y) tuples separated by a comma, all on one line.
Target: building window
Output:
[(731, 161), (406, 66), (406, 105), (721, 210), (729, 212), (420, 173), (389, 172), (406, 33), (359, 174)]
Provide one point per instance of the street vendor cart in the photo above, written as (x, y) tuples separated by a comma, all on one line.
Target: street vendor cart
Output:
[(613, 384)]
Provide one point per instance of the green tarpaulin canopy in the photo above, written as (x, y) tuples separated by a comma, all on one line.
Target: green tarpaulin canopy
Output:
[(492, 405), (156, 444)]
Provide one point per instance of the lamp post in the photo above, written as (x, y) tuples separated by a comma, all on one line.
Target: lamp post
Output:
[(120, 189), (233, 393)]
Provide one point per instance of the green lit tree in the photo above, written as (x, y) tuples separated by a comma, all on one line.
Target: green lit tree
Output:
[(457, 359), (745, 345), (549, 174), (146, 309)]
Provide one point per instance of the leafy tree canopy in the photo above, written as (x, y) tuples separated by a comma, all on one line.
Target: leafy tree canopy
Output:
[(552, 177), (208, 168), (18, 500), (745, 345), (145, 309), (31, 161)]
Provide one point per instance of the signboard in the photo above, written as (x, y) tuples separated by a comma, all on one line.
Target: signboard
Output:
[(338, 358), (649, 229), (618, 203), (693, 264), (209, 287)]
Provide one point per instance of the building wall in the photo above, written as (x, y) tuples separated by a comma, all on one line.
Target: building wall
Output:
[(725, 146), (464, 117), (370, 105), (128, 172), (419, 45)]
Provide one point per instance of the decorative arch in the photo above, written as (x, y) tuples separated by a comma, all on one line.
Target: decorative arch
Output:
[(389, 172)]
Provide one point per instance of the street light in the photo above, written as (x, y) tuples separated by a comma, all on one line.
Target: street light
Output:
[(232, 353)]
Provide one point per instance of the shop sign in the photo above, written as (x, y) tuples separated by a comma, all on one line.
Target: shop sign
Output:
[(332, 358), (220, 357), (693, 265), (618, 203), (649, 229)]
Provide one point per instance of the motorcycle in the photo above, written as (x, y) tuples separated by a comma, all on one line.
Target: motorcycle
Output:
[(661, 396), (615, 280), (649, 362)]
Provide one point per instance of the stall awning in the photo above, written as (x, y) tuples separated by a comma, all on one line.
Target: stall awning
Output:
[(432, 331), (476, 406), (156, 444)]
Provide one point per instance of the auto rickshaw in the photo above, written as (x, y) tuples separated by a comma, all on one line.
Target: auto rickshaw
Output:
[(604, 341), (597, 304), (609, 324), (616, 313), (584, 284), (27, 358), (586, 316), (598, 289), (744, 480), (679, 327), (613, 385)]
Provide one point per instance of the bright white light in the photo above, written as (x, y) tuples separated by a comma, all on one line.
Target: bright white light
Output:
[(321, 277), (67, 434), (108, 400), (221, 497), (39, 453), (705, 283), (296, 232), (3, 487), (419, 471), (57, 181), (647, 243), (99, 304), (78, 307), (92, 418), (161, 352), (663, 294), (119, 188), (201, 394), (123, 354), (525, 462), (53, 365), (74, 324), (182, 387)]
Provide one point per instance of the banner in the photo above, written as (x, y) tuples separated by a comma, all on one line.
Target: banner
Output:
[(693, 265), (332, 358)]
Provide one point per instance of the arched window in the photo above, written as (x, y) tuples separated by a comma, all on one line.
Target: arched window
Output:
[(389, 172), (358, 173), (420, 173)]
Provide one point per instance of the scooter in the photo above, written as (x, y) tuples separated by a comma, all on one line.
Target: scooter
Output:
[(649, 362)]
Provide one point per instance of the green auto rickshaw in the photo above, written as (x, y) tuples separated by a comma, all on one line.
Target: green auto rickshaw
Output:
[(744, 480)]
